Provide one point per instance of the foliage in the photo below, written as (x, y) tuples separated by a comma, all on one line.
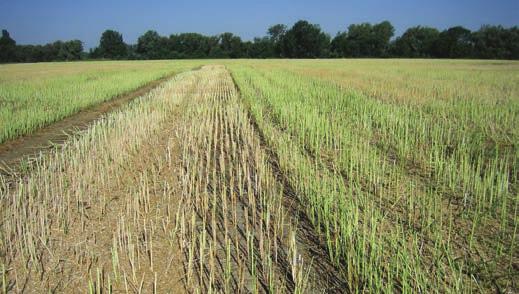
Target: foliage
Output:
[(152, 46), (231, 45), (364, 40), (455, 42), (275, 34), (305, 40), (416, 42), (302, 40), (261, 48), (496, 42), (7, 47), (193, 45), (112, 46)]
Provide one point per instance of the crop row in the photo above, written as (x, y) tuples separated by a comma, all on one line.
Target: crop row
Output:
[(406, 200), (99, 213), (33, 96)]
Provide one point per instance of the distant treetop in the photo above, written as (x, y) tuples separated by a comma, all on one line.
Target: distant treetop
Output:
[(302, 40)]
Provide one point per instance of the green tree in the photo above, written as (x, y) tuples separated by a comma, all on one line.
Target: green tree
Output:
[(70, 50), (358, 40), (339, 44), (364, 40), (261, 48), (191, 45), (305, 40), (381, 34), (513, 42), (455, 42), (28, 53), (152, 46), (50, 52), (7, 48), (131, 52), (496, 42), (417, 42), (112, 46), (276, 34), (60, 51), (215, 51), (231, 45), (94, 53)]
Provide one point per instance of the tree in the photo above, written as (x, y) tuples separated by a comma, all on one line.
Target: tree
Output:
[(152, 46), (358, 41), (364, 40), (191, 45), (231, 45), (7, 48), (131, 52), (60, 52), (302, 40), (261, 48), (496, 42), (111, 45), (512, 42), (276, 34), (381, 34), (456, 42), (305, 40), (95, 53), (215, 51), (70, 50), (416, 42), (56, 51), (50, 52), (28, 53), (339, 44)]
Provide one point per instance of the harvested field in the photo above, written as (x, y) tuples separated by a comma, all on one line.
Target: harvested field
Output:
[(274, 176)]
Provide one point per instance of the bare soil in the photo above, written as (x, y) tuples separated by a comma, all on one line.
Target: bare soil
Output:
[(164, 271), (45, 138), (86, 252)]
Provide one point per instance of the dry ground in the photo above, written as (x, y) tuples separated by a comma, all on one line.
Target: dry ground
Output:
[(176, 192)]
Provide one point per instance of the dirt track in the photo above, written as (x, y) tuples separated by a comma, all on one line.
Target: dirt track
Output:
[(14, 150)]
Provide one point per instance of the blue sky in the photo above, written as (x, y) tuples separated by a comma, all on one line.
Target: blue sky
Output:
[(39, 22)]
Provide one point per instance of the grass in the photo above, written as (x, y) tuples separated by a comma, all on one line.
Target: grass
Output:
[(113, 204), (375, 176), (35, 95), (412, 195), (233, 210)]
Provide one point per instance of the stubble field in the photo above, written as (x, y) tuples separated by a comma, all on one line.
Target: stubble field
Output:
[(304, 176)]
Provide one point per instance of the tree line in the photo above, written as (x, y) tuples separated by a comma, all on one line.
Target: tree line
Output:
[(302, 40)]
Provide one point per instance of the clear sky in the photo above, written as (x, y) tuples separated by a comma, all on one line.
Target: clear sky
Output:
[(43, 21)]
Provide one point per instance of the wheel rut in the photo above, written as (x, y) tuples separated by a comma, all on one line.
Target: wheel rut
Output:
[(26, 147)]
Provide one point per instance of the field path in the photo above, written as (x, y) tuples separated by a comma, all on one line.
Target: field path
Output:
[(99, 214), (46, 137)]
